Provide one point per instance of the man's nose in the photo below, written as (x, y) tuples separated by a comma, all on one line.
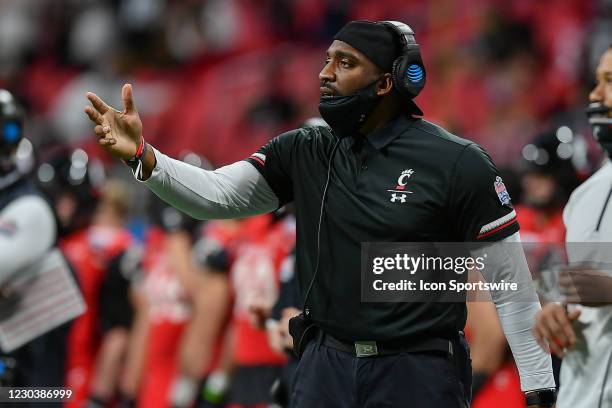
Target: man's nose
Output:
[(327, 73), (596, 94)]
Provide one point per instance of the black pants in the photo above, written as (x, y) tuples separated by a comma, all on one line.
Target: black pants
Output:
[(329, 378)]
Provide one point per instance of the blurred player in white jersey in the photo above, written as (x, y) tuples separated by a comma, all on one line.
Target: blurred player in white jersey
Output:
[(581, 332)]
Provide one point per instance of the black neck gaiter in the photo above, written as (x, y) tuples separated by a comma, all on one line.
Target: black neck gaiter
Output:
[(346, 114)]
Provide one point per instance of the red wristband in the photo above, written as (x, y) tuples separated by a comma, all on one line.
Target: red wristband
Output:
[(140, 148)]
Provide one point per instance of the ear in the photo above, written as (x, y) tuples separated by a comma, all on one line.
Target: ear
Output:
[(385, 85)]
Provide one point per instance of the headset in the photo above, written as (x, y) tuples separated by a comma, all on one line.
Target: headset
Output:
[(408, 71)]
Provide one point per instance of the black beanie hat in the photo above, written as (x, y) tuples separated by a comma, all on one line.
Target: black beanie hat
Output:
[(374, 40)]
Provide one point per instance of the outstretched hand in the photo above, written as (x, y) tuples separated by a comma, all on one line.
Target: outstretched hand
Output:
[(119, 132)]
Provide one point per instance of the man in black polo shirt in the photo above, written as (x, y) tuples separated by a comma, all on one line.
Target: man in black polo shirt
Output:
[(380, 174)]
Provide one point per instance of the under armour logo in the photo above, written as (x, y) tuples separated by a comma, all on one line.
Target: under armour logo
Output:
[(400, 197)]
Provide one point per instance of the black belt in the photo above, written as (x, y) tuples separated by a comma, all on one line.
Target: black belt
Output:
[(385, 348)]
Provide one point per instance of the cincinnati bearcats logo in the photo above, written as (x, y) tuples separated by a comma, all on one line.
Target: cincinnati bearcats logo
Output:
[(399, 193), (401, 183)]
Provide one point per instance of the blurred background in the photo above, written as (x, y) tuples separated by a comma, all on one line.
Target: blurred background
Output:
[(220, 77), (215, 79)]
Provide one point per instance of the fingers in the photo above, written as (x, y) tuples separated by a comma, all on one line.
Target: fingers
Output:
[(107, 142), (93, 115), (562, 329), (539, 336), (99, 130), (97, 103), (103, 133), (128, 98), (574, 314), (102, 130), (546, 336), (104, 136), (553, 327)]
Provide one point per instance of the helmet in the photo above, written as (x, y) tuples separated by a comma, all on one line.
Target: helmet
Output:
[(554, 154), (11, 134), (71, 180), (12, 119)]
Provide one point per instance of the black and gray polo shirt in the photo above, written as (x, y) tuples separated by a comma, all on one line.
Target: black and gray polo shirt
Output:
[(409, 181)]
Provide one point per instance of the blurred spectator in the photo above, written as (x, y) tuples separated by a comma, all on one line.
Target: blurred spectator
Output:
[(496, 55)]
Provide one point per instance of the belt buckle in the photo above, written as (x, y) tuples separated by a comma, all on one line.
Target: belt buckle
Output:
[(366, 348)]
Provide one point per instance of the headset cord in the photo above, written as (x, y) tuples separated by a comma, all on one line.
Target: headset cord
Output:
[(314, 276)]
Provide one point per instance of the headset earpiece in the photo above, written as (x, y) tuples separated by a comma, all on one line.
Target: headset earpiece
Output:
[(408, 71)]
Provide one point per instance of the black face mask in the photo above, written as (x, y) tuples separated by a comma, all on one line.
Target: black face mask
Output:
[(601, 122), (346, 114)]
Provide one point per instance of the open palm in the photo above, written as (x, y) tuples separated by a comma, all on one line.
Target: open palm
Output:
[(119, 132)]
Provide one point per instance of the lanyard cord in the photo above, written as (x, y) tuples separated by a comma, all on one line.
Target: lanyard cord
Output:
[(603, 210), (314, 276)]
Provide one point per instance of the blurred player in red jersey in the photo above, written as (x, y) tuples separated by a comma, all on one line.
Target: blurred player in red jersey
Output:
[(182, 303), (255, 280), (163, 308), (91, 219), (116, 308), (203, 351)]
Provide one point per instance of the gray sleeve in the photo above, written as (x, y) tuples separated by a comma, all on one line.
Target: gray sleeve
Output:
[(517, 311), (234, 191), (27, 232)]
